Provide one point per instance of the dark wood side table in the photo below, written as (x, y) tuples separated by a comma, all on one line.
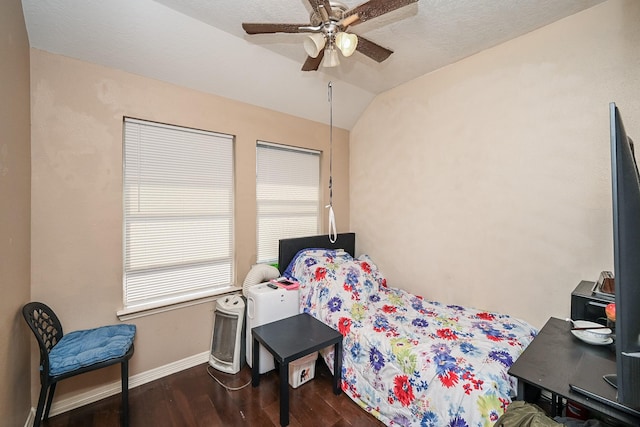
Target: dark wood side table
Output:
[(288, 340), (553, 360)]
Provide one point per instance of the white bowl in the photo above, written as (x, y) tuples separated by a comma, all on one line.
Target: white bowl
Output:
[(602, 335)]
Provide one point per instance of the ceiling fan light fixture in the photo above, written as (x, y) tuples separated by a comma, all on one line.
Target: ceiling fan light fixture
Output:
[(330, 57), (328, 19), (347, 43), (313, 44)]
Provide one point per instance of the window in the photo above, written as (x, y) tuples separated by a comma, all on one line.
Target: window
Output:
[(178, 214), (288, 196)]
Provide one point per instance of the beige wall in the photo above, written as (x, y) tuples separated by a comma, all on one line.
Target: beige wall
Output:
[(487, 183), (77, 111), (15, 199)]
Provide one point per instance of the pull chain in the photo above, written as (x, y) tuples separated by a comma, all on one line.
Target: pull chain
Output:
[(333, 236)]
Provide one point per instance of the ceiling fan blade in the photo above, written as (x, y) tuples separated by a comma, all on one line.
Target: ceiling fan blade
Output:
[(312, 64), (375, 8), (259, 28), (323, 7), (372, 50), (314, 5), (327, 7)]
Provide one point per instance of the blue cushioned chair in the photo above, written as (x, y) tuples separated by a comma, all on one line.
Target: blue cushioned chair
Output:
[(63, 356)]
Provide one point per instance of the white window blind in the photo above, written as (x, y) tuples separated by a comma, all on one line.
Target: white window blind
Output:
[(288, 196), (178, 213)]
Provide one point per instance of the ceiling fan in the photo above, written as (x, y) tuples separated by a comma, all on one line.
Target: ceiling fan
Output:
[(329, 22)]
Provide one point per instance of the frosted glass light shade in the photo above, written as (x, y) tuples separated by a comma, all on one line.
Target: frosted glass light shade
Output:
[(347, 43), (314, 44), (330, 57)]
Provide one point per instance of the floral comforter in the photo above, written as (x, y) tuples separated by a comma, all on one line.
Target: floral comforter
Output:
[(409, 361)]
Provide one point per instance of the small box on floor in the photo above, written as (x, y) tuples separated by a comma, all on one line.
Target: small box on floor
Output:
[(302, 370)]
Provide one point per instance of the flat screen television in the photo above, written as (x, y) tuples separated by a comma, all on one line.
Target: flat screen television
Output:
[(626, 264)]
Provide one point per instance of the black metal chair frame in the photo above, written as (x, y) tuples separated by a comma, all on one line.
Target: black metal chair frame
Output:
[(47, 329)]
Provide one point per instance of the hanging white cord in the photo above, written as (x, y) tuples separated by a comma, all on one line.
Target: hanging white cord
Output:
[(333, 236)]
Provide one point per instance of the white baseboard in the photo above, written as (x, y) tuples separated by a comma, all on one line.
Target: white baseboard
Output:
[(64, 405), (31, 418)]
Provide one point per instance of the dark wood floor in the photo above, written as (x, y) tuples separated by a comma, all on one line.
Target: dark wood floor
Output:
[(193, 398)]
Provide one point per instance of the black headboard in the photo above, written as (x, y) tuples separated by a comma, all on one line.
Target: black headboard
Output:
[(288, 248)]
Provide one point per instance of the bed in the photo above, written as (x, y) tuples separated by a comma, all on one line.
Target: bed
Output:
[(406, 360)]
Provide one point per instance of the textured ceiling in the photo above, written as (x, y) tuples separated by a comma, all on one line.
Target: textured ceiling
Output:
[(200, 44)]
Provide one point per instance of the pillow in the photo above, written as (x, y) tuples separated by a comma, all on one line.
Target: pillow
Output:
[(336, 283), (314, 253), (84, 348), (339, 272)]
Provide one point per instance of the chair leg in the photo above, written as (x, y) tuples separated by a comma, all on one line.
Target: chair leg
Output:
[(52, 389), (41, 400), (125, 393)]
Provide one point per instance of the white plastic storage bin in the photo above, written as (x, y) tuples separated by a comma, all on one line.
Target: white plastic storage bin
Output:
[(302, 370)]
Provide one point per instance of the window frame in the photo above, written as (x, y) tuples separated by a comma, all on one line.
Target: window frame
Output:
[(317, 214), (225, 148)]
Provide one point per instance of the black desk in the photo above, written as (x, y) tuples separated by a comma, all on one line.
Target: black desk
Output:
[(551, 361), (288, 340)]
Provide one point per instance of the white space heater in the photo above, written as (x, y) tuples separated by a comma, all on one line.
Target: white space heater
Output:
[(227, 346)]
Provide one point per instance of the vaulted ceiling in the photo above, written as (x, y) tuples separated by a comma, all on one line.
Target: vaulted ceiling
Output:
[(200, 44)]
